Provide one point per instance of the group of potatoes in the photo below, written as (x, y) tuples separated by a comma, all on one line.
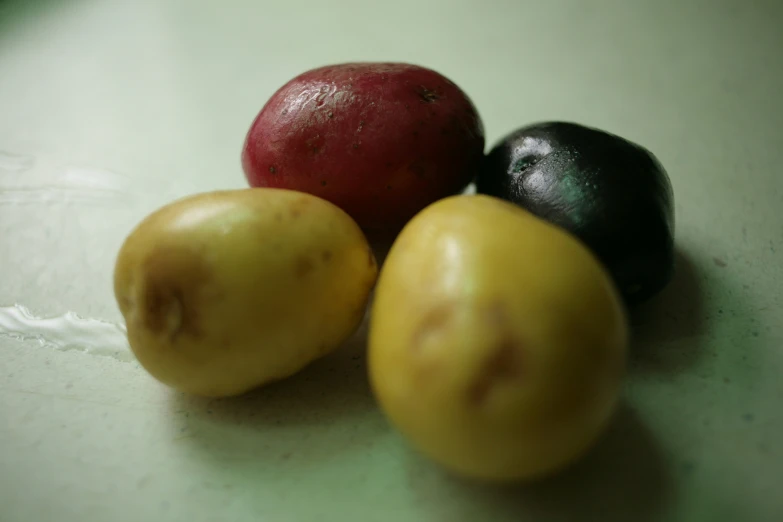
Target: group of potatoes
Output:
[(497, 341)]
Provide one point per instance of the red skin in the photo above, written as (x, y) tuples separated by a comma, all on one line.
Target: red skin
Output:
[(380, 140)]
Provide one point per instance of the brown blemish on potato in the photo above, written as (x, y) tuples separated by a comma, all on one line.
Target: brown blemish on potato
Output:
[(298, 206), (163, 311), (304, 265), (503, 364), (427, 95), (425, 338), (326, 256), (433, 322), (170, 299)]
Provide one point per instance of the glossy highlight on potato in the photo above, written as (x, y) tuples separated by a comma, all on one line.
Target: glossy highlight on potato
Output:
[(226, 291), (379, 140), (497, 340)]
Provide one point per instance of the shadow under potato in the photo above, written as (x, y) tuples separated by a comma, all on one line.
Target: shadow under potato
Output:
[(327, 393), (667, 328), (622, 479)]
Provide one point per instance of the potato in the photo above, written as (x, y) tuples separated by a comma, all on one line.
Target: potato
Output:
[(380, 140), (497, 341), (614, 195), (226, 291)]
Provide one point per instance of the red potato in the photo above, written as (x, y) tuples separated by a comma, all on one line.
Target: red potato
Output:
[(380, 140)]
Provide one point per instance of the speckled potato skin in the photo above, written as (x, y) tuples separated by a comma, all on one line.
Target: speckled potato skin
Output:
[(497, 341), (379, 140), (225, 291)]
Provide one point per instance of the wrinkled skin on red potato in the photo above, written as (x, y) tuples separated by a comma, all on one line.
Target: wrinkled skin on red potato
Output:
[(379, 140)]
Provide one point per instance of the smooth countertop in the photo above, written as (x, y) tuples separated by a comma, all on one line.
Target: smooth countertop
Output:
[(109, 109)]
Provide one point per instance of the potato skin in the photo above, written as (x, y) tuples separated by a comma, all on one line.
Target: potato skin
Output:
[(497, 341), (225, 291), (614, 195), (380, 140)]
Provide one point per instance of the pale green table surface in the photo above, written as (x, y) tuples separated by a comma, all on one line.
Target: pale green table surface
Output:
[(108, 109)]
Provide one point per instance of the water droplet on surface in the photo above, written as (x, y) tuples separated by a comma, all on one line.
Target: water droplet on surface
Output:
[(66, 332)]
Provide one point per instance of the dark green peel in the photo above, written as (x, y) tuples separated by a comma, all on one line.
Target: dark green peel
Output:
[(612, 194)]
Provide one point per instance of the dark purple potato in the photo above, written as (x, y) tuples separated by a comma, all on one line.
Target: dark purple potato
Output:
[(612, 194)]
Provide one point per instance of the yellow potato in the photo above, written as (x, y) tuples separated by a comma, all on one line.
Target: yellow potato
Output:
[(226, 291), (497, 341)]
